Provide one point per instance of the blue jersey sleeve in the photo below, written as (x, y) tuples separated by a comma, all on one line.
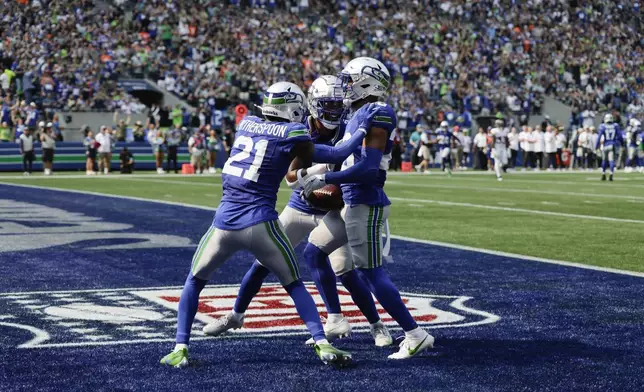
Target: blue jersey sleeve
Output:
[(385, 118)]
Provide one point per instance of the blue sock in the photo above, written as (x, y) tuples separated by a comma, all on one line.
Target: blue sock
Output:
[(389, 297), (306, 308), (188, 305), (250, 286), (612, 167), (323, 276), (604, 166), (361, 295)]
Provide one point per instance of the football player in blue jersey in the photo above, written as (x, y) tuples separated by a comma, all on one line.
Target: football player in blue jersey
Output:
[(610, 139), (246, 218), (364, 81), (444, 137), (299, 219)]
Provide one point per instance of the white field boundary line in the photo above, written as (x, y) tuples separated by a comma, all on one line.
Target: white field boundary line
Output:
[(443, 244), (512, 190), (518, 256), (518, 210)]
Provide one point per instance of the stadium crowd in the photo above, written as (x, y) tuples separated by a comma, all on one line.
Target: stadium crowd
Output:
[(446, 56)]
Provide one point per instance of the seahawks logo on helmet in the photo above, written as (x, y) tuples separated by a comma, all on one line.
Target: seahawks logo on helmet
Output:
[(377, 74)]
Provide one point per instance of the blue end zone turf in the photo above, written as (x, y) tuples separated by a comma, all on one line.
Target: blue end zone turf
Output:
[(90, 286)]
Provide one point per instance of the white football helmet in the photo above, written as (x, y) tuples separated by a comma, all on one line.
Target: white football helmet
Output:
[(284, 100), (608, 118), (363, 77), (635, 123), (324, 105), (444, 124)]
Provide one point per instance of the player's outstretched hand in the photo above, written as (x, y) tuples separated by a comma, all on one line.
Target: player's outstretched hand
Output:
[(366, 115), (312, 183)]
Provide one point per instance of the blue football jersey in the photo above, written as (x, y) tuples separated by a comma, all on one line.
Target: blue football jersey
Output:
[(259, 160), (611, 133), (370, 194), (444, 138), (296, 201)]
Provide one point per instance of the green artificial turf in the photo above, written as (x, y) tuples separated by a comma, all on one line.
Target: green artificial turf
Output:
[(457, 209)]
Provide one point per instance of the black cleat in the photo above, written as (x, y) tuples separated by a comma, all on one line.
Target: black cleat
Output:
[(610, 178), (603, 177)]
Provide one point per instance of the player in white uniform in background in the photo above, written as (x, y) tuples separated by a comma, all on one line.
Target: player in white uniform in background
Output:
[(633, 140), (560, 143), (500, 151)]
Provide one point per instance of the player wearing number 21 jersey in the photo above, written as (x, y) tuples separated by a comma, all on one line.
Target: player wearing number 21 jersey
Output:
[(246, 218)]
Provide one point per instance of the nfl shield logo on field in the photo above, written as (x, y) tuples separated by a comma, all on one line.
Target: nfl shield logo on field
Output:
[(128, 316)]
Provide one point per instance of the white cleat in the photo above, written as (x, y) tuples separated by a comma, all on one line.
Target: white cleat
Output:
[(410, 347), (381, 335), (499, 178), (334, 330), (223, 324)]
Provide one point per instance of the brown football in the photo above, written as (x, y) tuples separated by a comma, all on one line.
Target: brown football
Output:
[(327, 198)]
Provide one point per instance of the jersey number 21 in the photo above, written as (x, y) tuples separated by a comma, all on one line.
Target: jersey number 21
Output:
[(246, 145)]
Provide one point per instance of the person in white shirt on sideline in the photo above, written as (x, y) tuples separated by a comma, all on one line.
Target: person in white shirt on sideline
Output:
[(424, 153), (48, 146), (594, 154), (480, 148), (582, 141), (104, 140), (513, 140), (197, 147), (530, 142), (157, 141), (560, 142), (539, 147), (523, 142), (551, 148), (26, 145), (467, 148)]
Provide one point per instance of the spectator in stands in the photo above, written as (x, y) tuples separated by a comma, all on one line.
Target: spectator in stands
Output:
[(6, 135), (26, 146), (90, 144), (127, 161), (212, 143), (138, 132), (48, 143)]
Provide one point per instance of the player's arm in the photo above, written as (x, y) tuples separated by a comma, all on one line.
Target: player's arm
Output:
[(302, 154), (366, 170), (599, 137), (337, 154)]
